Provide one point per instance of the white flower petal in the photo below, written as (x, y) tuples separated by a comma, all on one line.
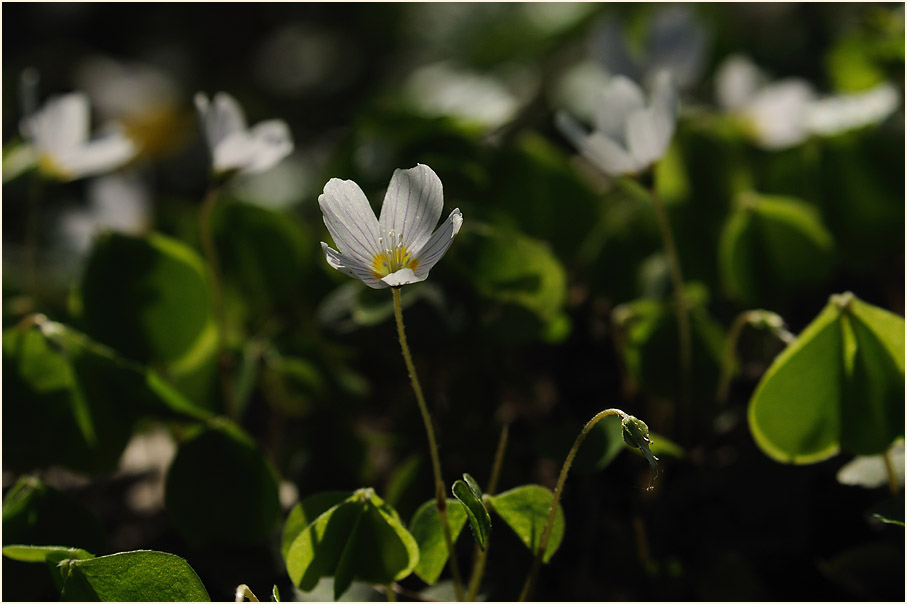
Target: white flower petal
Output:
[(350, 220), (664, 95), (220, 120), (412, 205), (620, 98), (351, 267), (736, 82), (610, 157), (61, 124), (570, 128), (778, 113), (648, 133), (271, 141), (96, 156), (234, 152), (437, 245), (849, 111), (404, 276)]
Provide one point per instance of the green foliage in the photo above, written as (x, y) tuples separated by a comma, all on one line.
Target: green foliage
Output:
[(525, 509), (148, 298), (220, 489), (771, 245), (426, 529), (520, 274), (85, 397), (648, 343), (139, 576), (264, 254), (467, 491), (840, 384), (359, 538)]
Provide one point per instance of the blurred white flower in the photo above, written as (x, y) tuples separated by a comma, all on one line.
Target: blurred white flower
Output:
[(117, 202), (146, 100), (675, 41), (491, 100), (785, 113), (58, 139), (844, 112), (234, 146), (399, 247), (629, 135)]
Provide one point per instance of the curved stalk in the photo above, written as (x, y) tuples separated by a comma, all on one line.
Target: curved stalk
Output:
[(440, 497), (558, 489)]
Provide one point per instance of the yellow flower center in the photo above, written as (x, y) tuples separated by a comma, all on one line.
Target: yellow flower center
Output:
[(49, 166), (395, 257)]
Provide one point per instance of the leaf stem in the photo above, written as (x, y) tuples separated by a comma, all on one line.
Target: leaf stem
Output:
[(440, 497), (220, 314), (481, 555), (558, 489), (391, 596)]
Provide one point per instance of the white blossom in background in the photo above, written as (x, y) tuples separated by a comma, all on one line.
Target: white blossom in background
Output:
[(785, 113), (630, 134), (146, 100), (843, 112), (490, 100), (58, 140), (235, 147), (399, 247), (116, 202), (675, 40)]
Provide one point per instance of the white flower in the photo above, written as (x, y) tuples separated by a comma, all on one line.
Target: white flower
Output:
[(234, 146), (58, 138), (774, 113), (785, 113), (399, 247), (629, 135)]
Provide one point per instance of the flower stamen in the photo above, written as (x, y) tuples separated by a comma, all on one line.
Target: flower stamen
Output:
[(393, 257)]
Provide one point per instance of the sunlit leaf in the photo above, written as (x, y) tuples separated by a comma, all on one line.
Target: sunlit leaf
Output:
[(426, 529), (840, 384), (139, 576), (525, 509), (359, 538)]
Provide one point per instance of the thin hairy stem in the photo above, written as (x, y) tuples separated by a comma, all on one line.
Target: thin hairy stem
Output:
[(440, 496), (481, 555), (217, 294), (558, 489)]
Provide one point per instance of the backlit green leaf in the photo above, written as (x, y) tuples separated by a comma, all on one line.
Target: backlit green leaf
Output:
[(139, 576), (427, 531), (360, 538), (795, 412), (525, 509)]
